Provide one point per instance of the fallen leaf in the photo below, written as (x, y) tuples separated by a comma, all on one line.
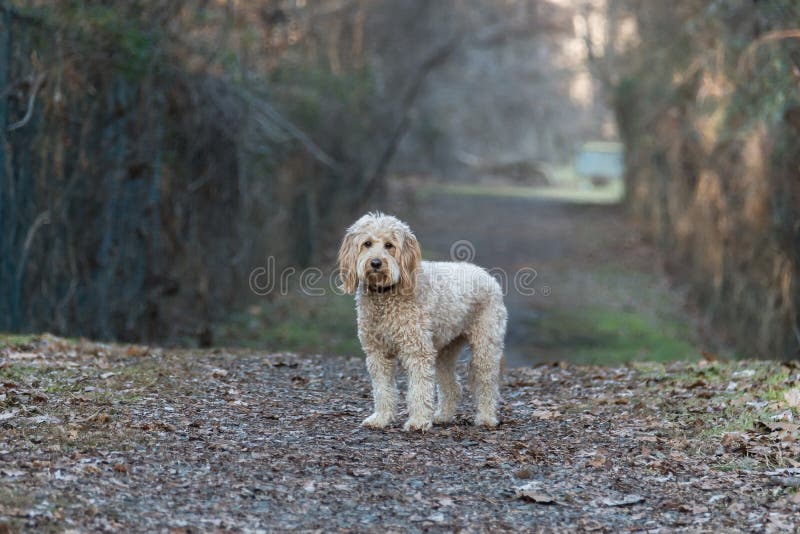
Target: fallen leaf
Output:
[(39, 419), (784, 471), (734, 442), (8, 415), (781, 523), (770, 427), (789, 482), (23, 356), (524, 473), (437, 517), (785, 415), (693, 508), (600, 461), (532, 492), (792, 398), (717, 498), (219, 373), (625, 500), (91, 469), (135, 350), (545, 414), (299, 380)]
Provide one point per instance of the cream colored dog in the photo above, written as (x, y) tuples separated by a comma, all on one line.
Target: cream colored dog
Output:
[(421, 314)]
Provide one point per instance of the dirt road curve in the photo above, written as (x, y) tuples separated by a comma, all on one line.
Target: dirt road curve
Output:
[(115, 438)]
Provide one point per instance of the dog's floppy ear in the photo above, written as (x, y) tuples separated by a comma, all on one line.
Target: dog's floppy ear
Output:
[(410, 256), (348, 267)]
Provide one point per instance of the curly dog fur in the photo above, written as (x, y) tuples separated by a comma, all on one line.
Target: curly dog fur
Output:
[(421, 314)]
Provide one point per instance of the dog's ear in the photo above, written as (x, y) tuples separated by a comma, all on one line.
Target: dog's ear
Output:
[(348, 266), (410, 256)]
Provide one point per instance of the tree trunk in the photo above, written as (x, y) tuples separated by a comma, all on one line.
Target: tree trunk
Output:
[(5, 67)]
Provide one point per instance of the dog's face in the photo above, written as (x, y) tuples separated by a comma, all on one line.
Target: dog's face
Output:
[(381, 252)]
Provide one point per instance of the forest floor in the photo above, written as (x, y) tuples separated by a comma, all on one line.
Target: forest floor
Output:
[(99, 437)]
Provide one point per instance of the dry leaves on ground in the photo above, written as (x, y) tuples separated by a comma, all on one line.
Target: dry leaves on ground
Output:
[(106, 437)]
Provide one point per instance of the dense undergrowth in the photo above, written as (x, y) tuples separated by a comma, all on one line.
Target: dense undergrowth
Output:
[(708, 105)]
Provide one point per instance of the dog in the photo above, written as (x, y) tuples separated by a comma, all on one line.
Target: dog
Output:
[(422, 314)]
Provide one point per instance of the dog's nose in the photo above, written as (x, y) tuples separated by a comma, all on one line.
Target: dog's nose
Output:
[(376, 263)]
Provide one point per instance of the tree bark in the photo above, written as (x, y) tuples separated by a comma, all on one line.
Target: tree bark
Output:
[(5, 66)]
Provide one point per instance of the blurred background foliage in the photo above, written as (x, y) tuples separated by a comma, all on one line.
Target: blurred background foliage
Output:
[(708, 102), (165, 147), (153, 152)]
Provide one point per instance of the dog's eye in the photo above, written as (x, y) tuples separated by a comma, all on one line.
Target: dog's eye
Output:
[(388, 245), (367, 244)]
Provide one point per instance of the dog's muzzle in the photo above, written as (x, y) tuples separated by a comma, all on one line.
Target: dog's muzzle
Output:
[(375, 264)]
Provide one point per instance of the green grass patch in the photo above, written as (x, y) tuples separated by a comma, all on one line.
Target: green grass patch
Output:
[(744, 463), (736, 420), (611, 194), (296, 323), (13, 340), (607, 336), (19, 373), (755, 398)]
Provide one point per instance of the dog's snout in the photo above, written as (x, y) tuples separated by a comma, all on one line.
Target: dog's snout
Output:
[(376, 263)]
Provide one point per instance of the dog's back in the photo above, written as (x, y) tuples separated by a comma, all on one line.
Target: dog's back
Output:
[(453, 294)]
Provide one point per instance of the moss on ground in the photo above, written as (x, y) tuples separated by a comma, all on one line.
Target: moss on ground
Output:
[(607, 336), (296, 323), (12, 340)]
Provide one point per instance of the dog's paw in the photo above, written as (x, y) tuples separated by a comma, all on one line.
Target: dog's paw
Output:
[(377, 420), (486, 420), (420, 425)]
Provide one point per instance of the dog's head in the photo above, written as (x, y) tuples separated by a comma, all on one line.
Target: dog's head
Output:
[(381, 252)]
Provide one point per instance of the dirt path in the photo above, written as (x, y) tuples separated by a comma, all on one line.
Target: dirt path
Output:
[(116, 438), (598, 296)]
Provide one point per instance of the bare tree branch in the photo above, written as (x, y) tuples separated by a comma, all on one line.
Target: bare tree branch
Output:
[(42, 219), (37, 84), (287, 126), (439, 57), (745, 63)]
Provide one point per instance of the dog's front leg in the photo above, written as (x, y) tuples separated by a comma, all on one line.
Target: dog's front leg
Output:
[(421, 367), (381, 370)]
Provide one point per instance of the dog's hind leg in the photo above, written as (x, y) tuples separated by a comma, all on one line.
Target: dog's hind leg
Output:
[(486, 341), (449, 392)]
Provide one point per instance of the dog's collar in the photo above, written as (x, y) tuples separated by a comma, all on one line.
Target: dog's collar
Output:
[(379, 290)]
